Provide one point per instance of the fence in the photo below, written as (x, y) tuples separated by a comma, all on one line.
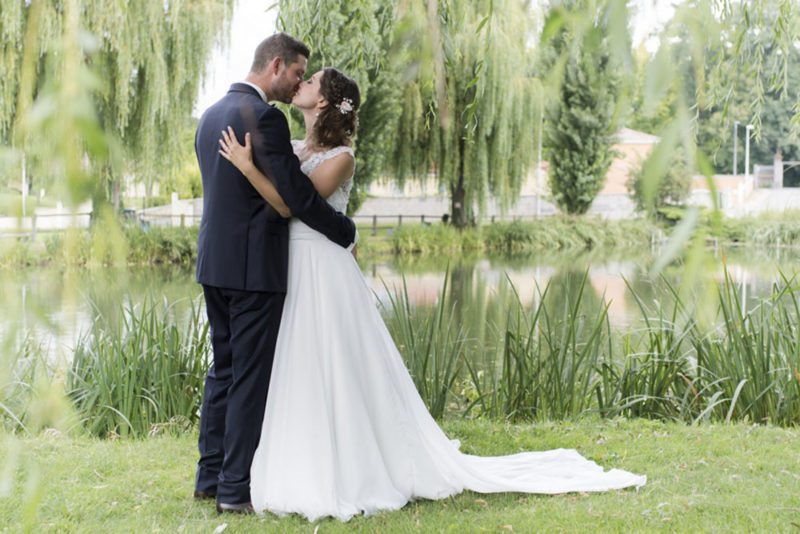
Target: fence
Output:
[(32, 224)]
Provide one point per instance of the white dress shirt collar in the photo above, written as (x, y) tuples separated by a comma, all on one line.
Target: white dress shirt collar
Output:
[(260, 91)]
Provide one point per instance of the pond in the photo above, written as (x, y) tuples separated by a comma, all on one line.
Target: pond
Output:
[(54, 306)]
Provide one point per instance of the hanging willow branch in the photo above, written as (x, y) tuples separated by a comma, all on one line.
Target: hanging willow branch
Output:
[(148, 58), (354, 36), (480, 137)]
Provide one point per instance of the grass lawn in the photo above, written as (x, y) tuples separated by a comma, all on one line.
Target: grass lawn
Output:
[(711, 478)]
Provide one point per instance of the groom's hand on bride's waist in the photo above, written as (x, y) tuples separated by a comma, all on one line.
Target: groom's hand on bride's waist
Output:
[(354, 243)]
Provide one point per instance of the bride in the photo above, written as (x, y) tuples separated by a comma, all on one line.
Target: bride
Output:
[(345, 431)]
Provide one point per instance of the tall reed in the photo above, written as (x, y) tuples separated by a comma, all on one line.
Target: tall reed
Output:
[(649, 377), (560, 358), (432, 344), (140, 370), (25, 373), (547, 359), (754, 357)]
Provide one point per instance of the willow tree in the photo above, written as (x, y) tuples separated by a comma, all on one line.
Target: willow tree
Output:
[(758, 39), (469, 113), (144, 59), (354, 36)]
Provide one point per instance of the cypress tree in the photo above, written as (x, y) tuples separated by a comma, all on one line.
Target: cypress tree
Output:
[(582, 117)]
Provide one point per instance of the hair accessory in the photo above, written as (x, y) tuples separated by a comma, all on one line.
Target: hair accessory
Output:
[(345, 106)]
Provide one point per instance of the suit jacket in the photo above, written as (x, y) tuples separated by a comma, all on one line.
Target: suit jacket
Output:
[(243, 243)]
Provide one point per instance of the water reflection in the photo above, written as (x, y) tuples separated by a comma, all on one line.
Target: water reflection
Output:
[(53, 304)]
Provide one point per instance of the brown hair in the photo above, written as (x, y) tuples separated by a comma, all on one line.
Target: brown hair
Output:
[(337, 122), (279, 45)]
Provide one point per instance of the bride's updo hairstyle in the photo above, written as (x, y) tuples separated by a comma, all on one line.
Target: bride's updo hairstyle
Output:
[(337, 122)]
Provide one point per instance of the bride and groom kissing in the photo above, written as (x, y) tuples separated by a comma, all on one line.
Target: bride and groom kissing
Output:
[(343, 430)]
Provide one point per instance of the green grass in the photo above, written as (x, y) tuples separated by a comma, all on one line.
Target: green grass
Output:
[(707, 478)]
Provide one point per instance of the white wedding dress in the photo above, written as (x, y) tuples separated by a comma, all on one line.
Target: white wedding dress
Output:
[(345, 431)]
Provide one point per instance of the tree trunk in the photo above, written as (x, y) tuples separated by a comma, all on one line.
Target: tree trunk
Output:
[(148, 193), (458, 194), (115, 194)]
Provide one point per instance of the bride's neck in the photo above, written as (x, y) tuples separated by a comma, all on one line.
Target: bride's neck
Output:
[(310, 117)]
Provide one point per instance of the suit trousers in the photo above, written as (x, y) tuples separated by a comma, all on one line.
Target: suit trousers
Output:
[(244, 328)]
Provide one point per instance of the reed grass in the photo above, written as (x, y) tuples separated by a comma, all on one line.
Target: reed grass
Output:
[(560, 362), (25, 372), (141, 371), (546, 363), (754, 357), (432, 344), (649, 378)]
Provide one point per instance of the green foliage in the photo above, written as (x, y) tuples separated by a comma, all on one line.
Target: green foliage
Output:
[(29, 389), (435, 238), (183, 177), (161, 244), (128, 245), (554, 233), (761, 75), (470, 116), (81, 75), (548, 358), (758, 40), (561, 364), (736, 63), (355, 37), (673, 187), (753, 358), (143, 369), (584, 115)]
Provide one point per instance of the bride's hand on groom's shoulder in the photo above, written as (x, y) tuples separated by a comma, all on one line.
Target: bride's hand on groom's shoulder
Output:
[(240, 155)]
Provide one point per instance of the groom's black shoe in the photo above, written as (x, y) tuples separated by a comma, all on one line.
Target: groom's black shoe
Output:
[(200, 495), (244, 508)]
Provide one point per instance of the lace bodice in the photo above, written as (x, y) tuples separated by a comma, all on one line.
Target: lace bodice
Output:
[(341, 196)]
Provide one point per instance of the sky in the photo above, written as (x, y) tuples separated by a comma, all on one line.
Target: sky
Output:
[(252, 22)]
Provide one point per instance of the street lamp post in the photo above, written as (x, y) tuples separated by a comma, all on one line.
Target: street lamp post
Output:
[(24, 185), (747, 154), (735, 146), (539, 158), (539, 170)]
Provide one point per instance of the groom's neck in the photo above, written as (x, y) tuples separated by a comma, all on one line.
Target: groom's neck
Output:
[(262, 81)]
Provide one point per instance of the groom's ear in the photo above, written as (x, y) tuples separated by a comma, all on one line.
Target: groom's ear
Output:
[(275, 65)]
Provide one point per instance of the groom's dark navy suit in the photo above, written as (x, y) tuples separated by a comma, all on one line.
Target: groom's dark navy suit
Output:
[(242, 262)]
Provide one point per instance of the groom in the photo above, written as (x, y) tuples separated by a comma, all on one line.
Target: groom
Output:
[(242, 262)]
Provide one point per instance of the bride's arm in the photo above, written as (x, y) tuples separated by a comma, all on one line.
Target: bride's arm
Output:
[(242, 158), (332, 173)]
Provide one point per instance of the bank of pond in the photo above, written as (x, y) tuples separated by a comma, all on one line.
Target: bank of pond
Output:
[(133, 244)]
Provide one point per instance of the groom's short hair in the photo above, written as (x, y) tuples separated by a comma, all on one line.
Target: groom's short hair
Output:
[(279, 45)]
